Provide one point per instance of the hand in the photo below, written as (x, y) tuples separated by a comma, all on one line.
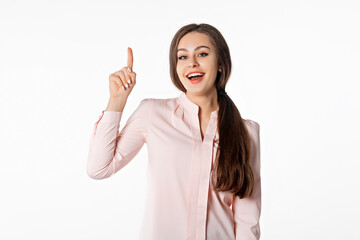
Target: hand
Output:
[(123, 81)]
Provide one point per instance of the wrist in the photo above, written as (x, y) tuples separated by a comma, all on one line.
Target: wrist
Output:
[(116, 104)]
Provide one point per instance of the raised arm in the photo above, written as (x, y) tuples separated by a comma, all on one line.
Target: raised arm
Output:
[(247, 210), (110, 150)]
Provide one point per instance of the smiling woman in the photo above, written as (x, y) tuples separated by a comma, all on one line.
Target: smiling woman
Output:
[(197, 61), (204, 158), (201, 48)]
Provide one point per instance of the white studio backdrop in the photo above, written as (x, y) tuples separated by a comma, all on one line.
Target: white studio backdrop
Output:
[(295, 72)]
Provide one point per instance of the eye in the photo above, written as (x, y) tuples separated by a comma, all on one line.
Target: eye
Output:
[(182, 57), (205, 54)]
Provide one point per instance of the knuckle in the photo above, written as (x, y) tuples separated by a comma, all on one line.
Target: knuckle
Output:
[(113, 78)]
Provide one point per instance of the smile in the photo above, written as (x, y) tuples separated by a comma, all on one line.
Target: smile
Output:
[(195, 77)]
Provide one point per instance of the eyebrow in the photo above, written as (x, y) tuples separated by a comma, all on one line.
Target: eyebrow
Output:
[(183, 49)]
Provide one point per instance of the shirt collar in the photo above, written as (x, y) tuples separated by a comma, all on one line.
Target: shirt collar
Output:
[(192, 107)]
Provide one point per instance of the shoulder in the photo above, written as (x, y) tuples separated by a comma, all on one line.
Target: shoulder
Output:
[(160, 103), (253, 128), (145, 104), (252, 124), (254, 132)]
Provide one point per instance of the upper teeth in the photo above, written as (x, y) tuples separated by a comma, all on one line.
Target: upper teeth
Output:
[(195, 74)]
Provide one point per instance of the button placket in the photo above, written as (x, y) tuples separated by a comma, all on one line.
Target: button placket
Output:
[(206, 162)]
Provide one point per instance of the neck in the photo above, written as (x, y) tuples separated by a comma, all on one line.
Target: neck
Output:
[(207, 102)]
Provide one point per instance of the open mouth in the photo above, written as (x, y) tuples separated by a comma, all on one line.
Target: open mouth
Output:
[(195, 76)]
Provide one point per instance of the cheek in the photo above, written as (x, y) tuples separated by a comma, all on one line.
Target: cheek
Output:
[(215, 67), (179, 70), (214, 63)]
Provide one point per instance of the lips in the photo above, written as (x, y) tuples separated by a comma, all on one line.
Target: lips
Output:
[(196, 74), (196, 80)]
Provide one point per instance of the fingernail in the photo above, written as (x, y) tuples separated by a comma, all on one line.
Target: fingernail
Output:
[(129, 81), (123, 87), (127, 85)]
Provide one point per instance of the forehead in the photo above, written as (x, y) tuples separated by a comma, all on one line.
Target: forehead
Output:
[(193, 39)]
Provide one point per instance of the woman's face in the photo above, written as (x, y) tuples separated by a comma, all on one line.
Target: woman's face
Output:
[(196, 54)]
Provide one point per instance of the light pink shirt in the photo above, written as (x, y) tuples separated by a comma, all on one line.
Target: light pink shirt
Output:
[(181, 203)]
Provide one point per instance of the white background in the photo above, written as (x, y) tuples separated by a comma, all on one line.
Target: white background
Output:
[(295, 72)]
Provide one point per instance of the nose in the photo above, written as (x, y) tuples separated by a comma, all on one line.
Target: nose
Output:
[(193, 62)]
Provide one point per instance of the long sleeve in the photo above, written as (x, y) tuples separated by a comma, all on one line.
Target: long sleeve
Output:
[(247, 210), (109, 149)]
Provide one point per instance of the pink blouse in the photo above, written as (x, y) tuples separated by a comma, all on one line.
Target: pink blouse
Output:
[(181, 203)]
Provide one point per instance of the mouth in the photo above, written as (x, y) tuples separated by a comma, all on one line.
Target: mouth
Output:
[(195, 77)]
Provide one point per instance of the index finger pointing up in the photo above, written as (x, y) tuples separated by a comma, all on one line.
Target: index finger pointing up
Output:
[(130, 59)]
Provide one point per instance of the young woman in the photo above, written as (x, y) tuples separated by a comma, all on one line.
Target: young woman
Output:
[(203, 157)]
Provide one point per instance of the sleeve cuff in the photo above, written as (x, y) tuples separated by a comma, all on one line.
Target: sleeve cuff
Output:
[(108, 116)]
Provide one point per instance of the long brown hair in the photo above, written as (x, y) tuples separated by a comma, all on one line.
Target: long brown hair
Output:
[(232, 166)]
